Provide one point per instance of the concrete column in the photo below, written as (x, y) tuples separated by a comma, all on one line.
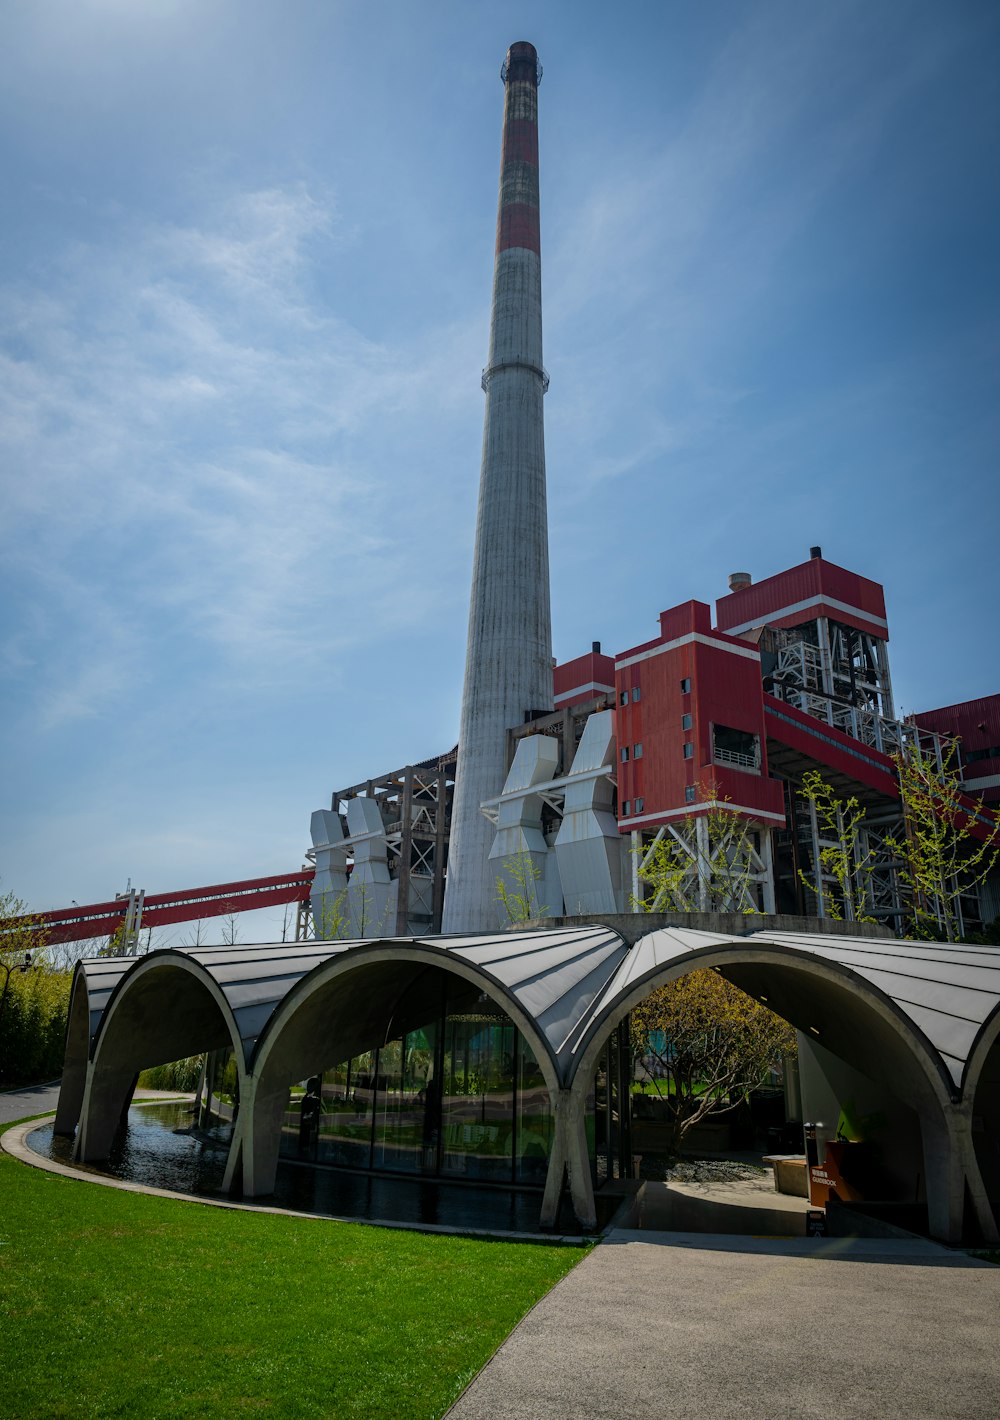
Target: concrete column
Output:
[(107, 1095), (508, 668), (983, 1210), (261, 1116), (945, 1180), (557, 1168), (71, 1092), (570, 1154)]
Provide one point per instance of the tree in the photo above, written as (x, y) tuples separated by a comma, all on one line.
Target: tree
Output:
[(843, 854), (333, 923), (707, 862), (230, 930), (951, 842), (34, 999), (20, 941), (713, 1043), (517, 891)]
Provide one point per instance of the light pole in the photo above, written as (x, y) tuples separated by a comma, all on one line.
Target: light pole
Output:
[(8, 968)]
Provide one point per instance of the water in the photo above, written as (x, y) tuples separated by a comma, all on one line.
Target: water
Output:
[(158, 1149)]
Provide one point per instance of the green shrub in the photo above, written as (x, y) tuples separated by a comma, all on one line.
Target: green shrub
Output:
[(33, 1026), (181, 1075)]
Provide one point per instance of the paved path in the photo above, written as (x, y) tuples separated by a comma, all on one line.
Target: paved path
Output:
[(42, 1099), (36, 1099), (678, 1324)]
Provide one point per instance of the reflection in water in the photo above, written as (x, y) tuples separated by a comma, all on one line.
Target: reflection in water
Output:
[(158, 1148)]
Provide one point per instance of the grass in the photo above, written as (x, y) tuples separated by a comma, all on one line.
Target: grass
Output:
[(120, 1304)]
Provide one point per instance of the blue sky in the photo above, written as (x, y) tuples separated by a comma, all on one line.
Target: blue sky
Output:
[(244, 299)]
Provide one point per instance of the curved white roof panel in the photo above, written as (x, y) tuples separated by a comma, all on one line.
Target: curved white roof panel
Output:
[(571, 980)]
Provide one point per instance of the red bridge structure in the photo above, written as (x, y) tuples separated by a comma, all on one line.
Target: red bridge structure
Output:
[(127, 912)]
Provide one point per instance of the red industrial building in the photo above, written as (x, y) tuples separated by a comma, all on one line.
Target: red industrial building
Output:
[(793, 676)]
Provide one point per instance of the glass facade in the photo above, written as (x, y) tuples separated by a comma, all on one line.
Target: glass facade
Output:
[(609, 1110), (458, 1095), (218, 1098)]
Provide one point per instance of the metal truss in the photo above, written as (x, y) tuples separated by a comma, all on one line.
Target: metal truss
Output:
[(840, 675), (719, 863), (414, 805)]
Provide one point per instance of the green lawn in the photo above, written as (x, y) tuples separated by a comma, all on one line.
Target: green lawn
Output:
[(119, 1304)]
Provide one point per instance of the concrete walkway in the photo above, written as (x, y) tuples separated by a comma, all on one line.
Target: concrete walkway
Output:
[(746, 1206), (679, 1324), (42, 1099), (34, 1099)]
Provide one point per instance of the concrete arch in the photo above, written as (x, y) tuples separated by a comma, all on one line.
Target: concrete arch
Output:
[(166, 1007), (74, 1075), (981, 1101), (854, 1020), (361, 996)]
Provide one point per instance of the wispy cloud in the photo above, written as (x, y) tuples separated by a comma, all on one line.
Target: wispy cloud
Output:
[(181, 413)]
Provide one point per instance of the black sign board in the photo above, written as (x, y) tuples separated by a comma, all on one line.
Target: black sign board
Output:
[(815, 1223)]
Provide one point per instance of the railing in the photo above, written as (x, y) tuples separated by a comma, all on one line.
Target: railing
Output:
[(734, 756)]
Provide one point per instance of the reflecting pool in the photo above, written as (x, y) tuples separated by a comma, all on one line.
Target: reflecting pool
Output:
[(161, 1147)]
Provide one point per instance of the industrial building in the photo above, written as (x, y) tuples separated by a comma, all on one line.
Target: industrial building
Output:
[(432, 1045), (792, 676)]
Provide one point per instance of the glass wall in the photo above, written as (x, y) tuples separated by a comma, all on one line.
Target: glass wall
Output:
[(218, 1100), (458, 1096), (609, 1110)]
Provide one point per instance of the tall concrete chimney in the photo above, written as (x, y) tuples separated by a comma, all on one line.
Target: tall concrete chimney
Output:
[(508, 666)]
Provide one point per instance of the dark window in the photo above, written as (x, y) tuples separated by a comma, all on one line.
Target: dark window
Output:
[(686, 686), (640, 804), (973, 756), (624, 754), (624, 697), (625, 808), (637, 751), (689, 751), (737, 747), (689, 794), (685, 722), (636, 693)]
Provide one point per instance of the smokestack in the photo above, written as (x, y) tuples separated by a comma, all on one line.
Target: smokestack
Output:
[(739, 580), (815, 552), (508, 666)]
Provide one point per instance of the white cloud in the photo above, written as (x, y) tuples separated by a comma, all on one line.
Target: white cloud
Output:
[(190, 435)]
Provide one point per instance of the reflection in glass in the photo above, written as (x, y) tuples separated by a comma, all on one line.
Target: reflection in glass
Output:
[(218, 1100), (460, 1095), (477, 1109), (345, 1123), (534, 1118)]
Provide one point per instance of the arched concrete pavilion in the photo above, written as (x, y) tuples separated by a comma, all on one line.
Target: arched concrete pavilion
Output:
[(921, 1018)]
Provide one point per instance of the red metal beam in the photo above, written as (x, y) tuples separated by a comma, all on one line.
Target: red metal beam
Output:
[(102, 919)]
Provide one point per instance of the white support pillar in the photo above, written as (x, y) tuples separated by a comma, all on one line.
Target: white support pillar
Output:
[(327, 897), (570, 1155), (588, 845), (371, 893), (767, 855), (519, 850)]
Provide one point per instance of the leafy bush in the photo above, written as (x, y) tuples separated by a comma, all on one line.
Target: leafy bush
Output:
[(33, 1025), (179, 1075)]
